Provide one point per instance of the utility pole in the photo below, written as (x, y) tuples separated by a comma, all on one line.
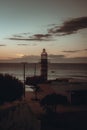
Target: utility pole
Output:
[(35, 70), (24, 65), (24, 80)]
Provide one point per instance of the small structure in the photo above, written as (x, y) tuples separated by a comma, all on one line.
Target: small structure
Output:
[(44, 64)]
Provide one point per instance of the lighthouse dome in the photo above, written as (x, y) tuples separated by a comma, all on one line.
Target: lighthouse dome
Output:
[(44, 54)]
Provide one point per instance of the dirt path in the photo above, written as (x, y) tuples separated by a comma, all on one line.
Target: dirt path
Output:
[(18, 117)]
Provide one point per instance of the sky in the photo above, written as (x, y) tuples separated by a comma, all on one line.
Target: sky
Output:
[(28, 26)]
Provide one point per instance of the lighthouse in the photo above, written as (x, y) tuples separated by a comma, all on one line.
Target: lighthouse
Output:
[(44, 64)]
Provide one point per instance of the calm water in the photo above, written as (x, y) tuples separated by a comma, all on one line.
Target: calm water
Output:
[(57, 70)]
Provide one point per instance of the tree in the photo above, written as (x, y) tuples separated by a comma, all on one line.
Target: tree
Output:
[(50, 102), (10, 88)]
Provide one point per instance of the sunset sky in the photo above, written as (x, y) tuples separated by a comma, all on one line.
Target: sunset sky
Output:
[(28, 26)]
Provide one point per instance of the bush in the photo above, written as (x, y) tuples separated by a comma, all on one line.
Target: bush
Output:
[(10, 88), (51, 101)]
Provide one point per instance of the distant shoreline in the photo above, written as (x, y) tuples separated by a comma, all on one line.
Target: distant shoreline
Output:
[(55, 70), (37, 63)]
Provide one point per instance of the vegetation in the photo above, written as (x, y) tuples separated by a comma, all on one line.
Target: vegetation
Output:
[(50, 102), (10, 88), (34, 80), (36, 91)]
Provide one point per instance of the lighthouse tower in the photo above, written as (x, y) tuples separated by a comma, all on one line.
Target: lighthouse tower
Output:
[(44, 64)]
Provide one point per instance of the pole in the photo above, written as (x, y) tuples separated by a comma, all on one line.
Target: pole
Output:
[(24, 78), (35, 70)]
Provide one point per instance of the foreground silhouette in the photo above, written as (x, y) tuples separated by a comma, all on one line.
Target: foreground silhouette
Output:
[(51, 101), (10, 88)]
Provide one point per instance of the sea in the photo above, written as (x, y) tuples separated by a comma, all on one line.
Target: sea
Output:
[(55, 70)]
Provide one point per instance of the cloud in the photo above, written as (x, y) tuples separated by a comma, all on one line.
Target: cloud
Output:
[(69, 26), (72, 51), (25, 33), (1, 45), (51, 59), (56, 56), (21, 34), (42, 36), (18, 36), (27, 44), (26, 58), (63, 59), (28, 39), (36, 37)]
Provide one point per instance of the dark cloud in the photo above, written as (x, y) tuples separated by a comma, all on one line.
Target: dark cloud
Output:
[(43, 37), (70, 26), (72, 51), (29, 39), (36, 37), (40, 36), (1, 45), (22, 39), (27, 44)]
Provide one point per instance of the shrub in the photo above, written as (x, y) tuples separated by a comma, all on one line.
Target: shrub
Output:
[(10, 88), (34, 80)]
